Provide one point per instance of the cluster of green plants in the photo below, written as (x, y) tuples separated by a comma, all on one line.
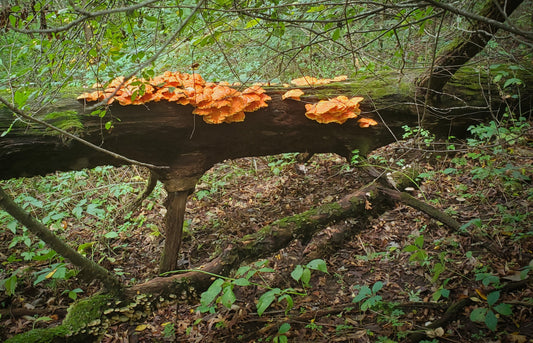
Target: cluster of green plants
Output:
[(221, 295), (62, 202)]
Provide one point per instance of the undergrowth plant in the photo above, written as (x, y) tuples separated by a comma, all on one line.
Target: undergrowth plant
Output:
[(221, 290), (64, 201)]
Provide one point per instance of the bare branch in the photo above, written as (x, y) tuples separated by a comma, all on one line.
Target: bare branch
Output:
[(526, 34), (86, 15)]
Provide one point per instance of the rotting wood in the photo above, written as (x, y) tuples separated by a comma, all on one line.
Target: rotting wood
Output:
[(163, 133), (423, 206)]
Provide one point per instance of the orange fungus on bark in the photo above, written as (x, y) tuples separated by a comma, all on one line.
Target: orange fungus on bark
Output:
[(216, 103), (336, 110), (294, 94)]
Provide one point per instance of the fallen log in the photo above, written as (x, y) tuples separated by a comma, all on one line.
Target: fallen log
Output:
[(168, 134)]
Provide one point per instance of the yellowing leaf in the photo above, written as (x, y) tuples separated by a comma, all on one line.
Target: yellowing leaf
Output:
[(49, 275), (141, 327)]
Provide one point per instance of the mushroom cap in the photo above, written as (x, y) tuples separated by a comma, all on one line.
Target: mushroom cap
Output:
[(336, 110), (366, 122), (217, 103), (294, 94)]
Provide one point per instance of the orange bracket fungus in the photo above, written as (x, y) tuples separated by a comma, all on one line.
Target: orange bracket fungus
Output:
[(366, 122), (312, 81), (294, 94), (336, 110), (216, 103)]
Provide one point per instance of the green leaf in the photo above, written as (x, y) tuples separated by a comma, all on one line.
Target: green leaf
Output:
[(289, 300), (252, 23), (493, 297), (336, 34), (419, 241), (364, 291), (284, 328), (306, 276), (111, 235), (242, 270), (377, 286), (212, 292), (437, 270), (12, 226), (316, 9), (371, 302), (228, 297), (410, 248), (241, 282), (512, 81), (266, 299), (10, 284), (318, 264), (491, 321), (296, 274), (504, 309), (478, 314)]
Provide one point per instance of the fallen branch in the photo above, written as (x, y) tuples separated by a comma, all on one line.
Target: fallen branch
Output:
[(422, 206)]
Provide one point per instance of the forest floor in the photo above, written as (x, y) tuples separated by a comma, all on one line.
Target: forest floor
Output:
[(397, 275)]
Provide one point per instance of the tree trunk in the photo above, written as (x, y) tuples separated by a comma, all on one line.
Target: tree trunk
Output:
[(168, 134), (176, 203), (462, 49)]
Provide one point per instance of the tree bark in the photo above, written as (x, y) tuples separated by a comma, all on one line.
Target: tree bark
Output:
[(176, 203), (462, 49)]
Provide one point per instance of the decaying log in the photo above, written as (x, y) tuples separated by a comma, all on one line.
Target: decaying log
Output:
[(168, 134)]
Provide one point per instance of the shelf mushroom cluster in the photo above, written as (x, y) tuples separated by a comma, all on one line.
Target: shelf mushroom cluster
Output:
[(336, 110), (216, 103)]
